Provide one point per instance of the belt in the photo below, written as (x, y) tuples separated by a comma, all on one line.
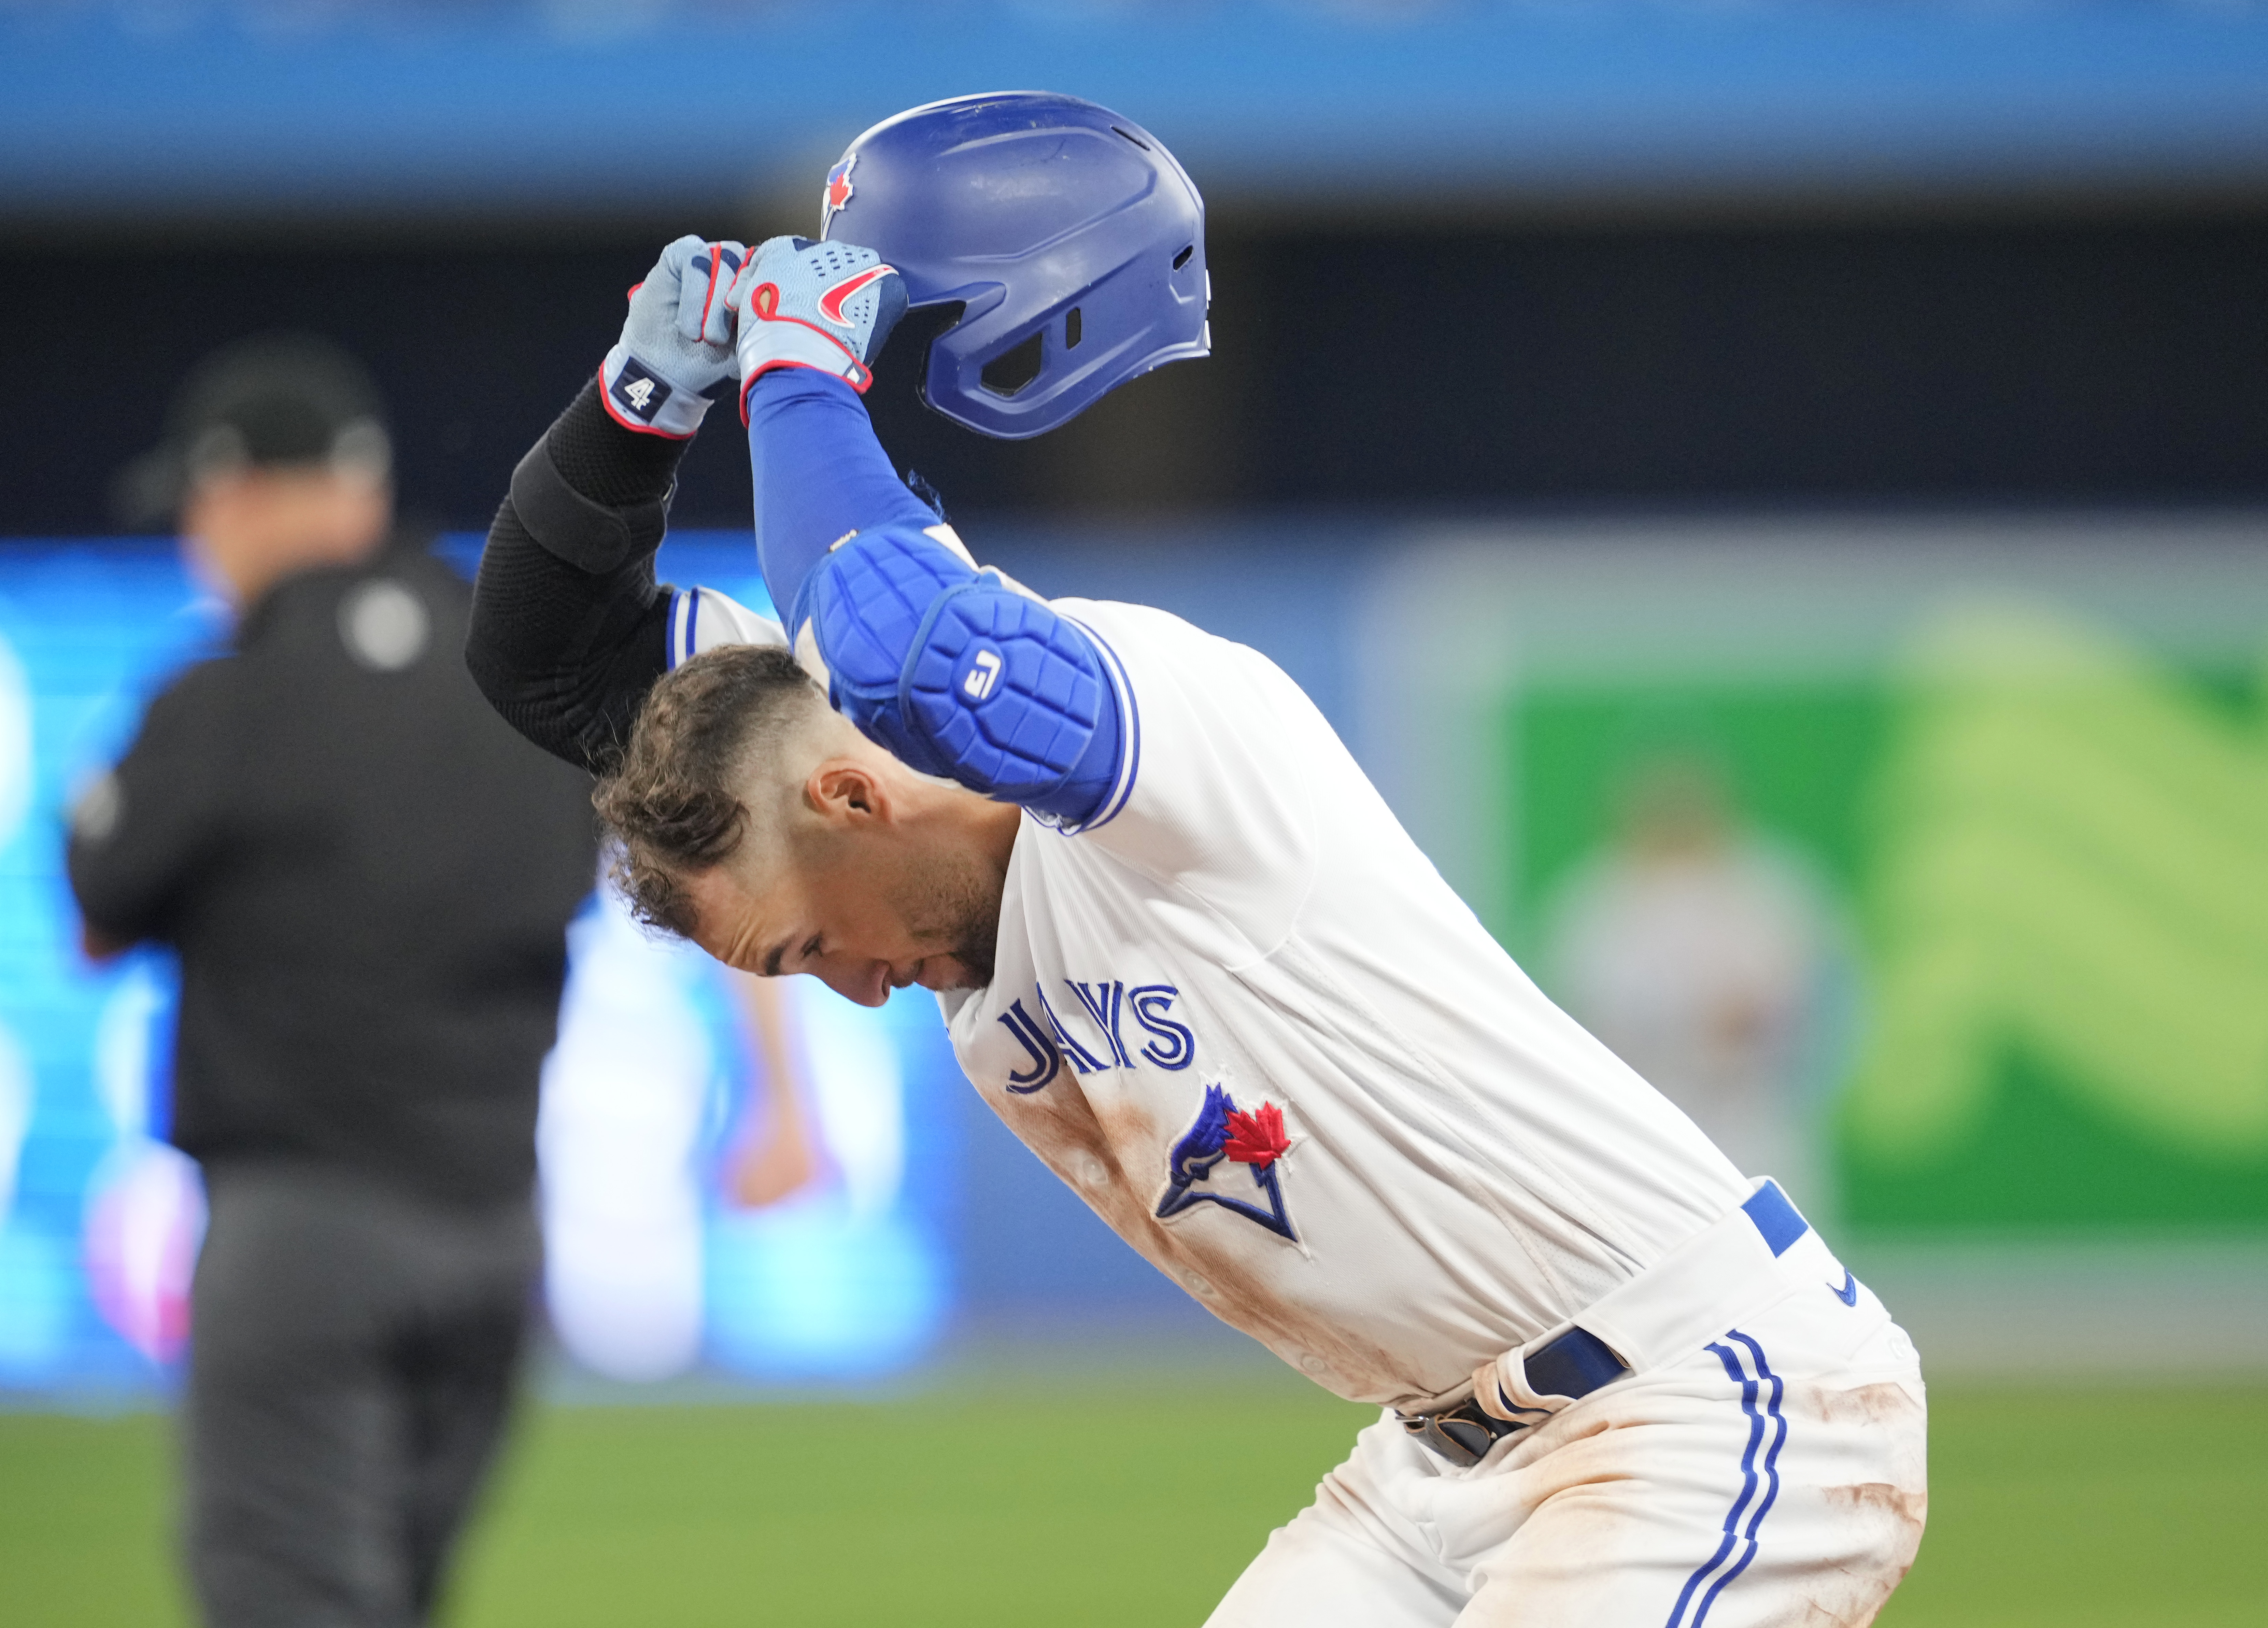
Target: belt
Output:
[(1577, 1362)]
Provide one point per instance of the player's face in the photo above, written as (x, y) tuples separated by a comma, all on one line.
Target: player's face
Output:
[(858, 930), (864, 906)]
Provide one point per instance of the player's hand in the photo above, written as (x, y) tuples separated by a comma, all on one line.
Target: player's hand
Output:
[(828, 306), (773, 1170), (677, 342)]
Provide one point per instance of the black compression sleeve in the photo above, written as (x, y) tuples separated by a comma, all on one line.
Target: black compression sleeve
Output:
[(607, 463), (570, 630)]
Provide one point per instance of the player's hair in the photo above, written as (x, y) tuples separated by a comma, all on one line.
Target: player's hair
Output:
[(669, 807)]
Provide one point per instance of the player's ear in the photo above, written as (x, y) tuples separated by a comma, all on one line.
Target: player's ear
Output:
[(842, 789)]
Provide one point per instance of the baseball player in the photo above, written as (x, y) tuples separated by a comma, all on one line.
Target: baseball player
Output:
[(1187, 954)]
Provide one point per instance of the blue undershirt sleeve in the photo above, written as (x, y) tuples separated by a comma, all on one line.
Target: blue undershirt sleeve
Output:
[(955, 670), (820, 475)]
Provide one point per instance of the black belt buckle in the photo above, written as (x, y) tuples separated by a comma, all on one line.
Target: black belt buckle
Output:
[(1576, 1363), (1462, 1434)]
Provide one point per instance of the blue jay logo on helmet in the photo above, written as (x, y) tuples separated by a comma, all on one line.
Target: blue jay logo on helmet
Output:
[(837, 193), (1071, 239)]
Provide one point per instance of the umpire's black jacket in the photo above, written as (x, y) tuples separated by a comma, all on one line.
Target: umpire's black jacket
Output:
[(368, 876)]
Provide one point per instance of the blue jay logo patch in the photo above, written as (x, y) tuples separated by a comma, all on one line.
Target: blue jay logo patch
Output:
[(637, 392), (1224, 1133)]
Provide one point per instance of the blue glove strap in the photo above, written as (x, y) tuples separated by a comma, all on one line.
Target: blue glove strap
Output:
[(959, 675)]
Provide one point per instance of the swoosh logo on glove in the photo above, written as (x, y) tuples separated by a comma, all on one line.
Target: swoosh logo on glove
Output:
[(831, 303)]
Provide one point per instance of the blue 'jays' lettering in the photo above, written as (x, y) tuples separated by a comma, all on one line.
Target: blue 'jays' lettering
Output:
[(1175, 1046), (1049, 1044), (1046, 1062), (1078, 1056), (1103, 1003)]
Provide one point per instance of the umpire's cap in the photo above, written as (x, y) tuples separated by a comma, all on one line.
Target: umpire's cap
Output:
[(275, 399)]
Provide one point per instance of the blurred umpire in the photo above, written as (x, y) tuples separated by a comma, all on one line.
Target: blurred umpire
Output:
[(368, 877)]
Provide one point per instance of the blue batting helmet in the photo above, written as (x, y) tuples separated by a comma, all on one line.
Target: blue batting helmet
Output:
[(1072, 239)]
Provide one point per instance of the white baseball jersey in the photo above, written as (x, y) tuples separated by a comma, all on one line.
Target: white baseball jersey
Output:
[(1243, 1016)]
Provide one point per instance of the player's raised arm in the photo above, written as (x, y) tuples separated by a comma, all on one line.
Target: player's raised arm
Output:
[(880, 600), (570, 629)]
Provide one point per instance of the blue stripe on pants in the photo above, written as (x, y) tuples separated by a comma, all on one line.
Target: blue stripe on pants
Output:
[(1769, 1423)]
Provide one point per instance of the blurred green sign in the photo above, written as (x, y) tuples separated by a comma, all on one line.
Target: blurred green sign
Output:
[(1944, 850)]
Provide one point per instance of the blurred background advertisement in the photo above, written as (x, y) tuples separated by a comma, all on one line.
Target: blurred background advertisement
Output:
[(1915, 856)]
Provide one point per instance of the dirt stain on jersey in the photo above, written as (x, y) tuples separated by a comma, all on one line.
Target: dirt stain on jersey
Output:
[(1111, 1155), (1854, 1597), (1908, 1509), (1882, 1403), (1888, 1520)]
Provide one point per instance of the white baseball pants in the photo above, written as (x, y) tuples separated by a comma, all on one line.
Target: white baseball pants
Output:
[(1775, 1477)]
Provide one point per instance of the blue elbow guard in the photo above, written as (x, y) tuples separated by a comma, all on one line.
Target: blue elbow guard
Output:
[(958, 674)]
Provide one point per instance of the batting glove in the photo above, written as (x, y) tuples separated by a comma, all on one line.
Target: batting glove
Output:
[(828, 306), (677, 342)]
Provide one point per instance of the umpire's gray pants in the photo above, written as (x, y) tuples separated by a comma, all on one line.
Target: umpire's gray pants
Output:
[(352, 1359)]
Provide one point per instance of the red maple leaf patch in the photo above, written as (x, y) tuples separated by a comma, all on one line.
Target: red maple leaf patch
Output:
[(1258, 1139)]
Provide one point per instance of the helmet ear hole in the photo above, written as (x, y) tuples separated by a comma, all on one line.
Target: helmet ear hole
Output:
[(1183, 259), (913, 336), (922, 324), (1014, 368)]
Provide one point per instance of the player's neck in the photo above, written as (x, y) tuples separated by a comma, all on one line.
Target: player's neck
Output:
[(979, 822), (1001, 823), (976, 827)]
